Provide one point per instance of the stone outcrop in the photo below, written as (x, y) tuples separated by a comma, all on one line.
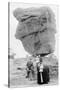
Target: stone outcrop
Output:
[(36, 29)]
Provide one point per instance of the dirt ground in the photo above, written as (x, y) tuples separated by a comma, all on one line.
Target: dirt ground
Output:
[(18, 77)]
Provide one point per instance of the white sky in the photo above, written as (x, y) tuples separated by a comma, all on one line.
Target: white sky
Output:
[(16, 44)]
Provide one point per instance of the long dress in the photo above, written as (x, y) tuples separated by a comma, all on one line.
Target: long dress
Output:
[(39, 74), (42, 75), (45, 74)]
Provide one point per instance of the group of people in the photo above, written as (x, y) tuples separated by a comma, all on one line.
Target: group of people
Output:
[(42, 71)]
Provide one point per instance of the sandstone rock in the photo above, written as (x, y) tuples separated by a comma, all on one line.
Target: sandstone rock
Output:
[(36, 29)]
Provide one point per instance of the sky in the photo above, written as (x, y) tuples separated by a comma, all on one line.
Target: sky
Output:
[(15, 44)]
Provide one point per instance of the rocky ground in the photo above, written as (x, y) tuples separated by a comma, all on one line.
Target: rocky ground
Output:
[(18, 72)]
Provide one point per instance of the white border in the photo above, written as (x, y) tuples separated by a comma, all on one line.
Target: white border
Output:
[(4, 42)]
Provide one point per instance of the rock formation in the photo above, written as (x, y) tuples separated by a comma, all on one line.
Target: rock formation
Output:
[(36, 29)]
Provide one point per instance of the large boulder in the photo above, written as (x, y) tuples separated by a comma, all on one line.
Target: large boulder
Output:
[(36, 29)]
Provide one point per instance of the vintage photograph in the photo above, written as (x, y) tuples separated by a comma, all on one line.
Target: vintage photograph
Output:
[(33, 45)]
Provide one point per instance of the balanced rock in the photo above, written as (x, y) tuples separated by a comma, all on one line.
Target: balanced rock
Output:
[(36, 29)]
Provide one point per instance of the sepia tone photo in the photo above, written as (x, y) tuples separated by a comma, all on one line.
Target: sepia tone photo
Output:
[(33, 45)]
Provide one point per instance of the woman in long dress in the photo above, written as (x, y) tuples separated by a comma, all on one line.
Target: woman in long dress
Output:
[(40, 72)]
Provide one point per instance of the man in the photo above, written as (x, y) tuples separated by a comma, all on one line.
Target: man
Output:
[(30, 69)]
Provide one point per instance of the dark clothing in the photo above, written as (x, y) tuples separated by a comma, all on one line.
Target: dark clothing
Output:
[(30, 68), (45, 75), (29, 64), (38, 75), (38, 78)]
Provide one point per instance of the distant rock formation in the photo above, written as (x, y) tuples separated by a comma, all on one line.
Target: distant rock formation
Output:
[(11, 54)]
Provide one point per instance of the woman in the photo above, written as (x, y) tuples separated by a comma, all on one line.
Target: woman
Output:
[(46, 77), (40, 71)]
